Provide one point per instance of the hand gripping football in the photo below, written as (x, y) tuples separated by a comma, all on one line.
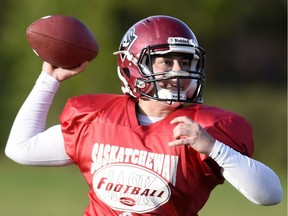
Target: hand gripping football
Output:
[(62, 41)]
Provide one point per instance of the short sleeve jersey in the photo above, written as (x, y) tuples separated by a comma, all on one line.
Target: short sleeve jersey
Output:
[(131, 170)]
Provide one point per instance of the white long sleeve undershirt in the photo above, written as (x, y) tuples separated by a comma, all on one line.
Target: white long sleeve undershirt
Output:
[(30, 144), (253, 179)]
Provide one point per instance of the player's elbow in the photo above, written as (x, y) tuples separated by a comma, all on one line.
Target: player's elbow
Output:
[(273, 192), (269, 196), (277, 198), (274, 197), (10, 154), (14, 155)]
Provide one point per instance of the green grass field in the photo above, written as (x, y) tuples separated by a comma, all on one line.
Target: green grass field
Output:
[(31, 191)]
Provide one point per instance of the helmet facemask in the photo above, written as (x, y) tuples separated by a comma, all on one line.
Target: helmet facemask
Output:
[(192, 93)]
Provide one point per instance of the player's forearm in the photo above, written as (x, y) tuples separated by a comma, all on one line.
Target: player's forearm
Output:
[(254, 180)]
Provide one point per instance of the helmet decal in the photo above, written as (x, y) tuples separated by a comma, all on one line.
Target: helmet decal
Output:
[(180, 40), (127, 41)]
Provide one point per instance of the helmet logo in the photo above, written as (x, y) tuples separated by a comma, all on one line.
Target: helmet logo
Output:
[(127, 41), (180, 40)]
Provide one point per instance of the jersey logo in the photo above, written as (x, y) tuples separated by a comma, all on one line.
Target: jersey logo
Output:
[(132, 180), (127, 187)]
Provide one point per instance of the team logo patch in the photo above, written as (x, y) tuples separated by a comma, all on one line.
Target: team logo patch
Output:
[(130, 188)]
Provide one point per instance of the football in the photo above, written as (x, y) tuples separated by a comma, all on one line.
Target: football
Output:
[(62, 41)]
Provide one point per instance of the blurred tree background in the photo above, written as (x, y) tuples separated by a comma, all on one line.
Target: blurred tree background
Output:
[(246, 45)]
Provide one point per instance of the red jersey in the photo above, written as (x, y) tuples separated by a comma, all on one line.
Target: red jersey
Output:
[(130, 168)]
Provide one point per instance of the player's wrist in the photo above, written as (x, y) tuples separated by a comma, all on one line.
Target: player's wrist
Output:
[(47, 82), (224, 155), (219, 152)]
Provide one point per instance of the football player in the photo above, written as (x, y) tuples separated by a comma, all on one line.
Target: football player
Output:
[(156, 149)]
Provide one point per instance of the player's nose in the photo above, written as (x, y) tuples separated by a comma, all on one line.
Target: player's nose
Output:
[(176, 65)]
